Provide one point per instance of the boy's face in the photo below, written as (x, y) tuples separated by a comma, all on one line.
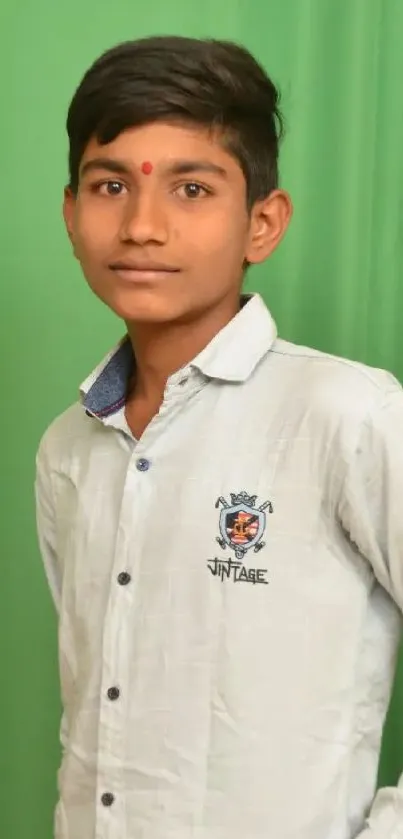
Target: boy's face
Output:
[(194, 221)]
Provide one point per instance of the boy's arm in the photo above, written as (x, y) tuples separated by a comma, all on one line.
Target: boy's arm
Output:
[(45, 521), (371, 512)]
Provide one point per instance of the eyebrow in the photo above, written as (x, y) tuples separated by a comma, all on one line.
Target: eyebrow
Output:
[(177, 167)]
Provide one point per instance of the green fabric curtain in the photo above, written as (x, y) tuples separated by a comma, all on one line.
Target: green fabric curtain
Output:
[(335, 283)]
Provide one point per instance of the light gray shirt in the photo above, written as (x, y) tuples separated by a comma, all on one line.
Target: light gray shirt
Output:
[(229, 590)]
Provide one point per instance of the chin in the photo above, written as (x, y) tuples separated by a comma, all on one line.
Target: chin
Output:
[(144, 307)]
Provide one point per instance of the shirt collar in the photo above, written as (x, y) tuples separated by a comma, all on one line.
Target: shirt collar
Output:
[(235, 351), (231, 356)]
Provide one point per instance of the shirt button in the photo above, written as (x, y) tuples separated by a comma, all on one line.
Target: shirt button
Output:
[(113, 693), (107, 799), (143, 464), (124, 578)]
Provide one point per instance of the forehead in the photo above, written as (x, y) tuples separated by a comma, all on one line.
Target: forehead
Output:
[(159, 142)]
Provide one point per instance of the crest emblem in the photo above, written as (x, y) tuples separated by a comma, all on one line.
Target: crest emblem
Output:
[(242, 524)]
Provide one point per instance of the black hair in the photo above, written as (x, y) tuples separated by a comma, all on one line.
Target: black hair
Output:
[(212, 83)]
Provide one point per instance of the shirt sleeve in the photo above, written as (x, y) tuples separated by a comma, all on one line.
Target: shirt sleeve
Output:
[(371, 513), (46, 522)]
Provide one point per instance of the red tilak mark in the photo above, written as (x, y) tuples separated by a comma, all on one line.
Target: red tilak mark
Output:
[(146, 167)]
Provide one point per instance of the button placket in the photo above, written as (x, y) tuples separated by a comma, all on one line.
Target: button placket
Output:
[(113, 693)]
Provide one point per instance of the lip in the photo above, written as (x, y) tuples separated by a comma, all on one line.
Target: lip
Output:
[(123, 265), (133, 275), (142, 271)]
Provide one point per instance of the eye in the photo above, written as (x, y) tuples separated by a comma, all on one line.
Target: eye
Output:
[(192, 189), (109, 188)]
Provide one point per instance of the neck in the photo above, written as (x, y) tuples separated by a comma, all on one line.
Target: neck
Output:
[(162, 349)]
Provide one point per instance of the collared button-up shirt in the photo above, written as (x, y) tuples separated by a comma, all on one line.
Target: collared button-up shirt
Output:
[(229, 590)]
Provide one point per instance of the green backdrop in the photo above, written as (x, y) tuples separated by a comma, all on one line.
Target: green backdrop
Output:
[(335, 283)]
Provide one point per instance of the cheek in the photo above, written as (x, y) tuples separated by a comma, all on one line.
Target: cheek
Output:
[(93, 236), (219, 237)]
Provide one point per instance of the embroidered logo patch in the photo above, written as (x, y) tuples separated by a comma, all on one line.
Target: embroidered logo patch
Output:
[(242, 526)]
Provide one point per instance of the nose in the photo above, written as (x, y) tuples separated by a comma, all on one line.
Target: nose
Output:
[(144, 220)]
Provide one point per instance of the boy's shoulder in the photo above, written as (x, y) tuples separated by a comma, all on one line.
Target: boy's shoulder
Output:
[(66, 429), (333, 382), (324, 384)]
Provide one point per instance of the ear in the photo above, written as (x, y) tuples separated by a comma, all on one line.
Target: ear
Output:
[(69, 206), (270, 218)]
